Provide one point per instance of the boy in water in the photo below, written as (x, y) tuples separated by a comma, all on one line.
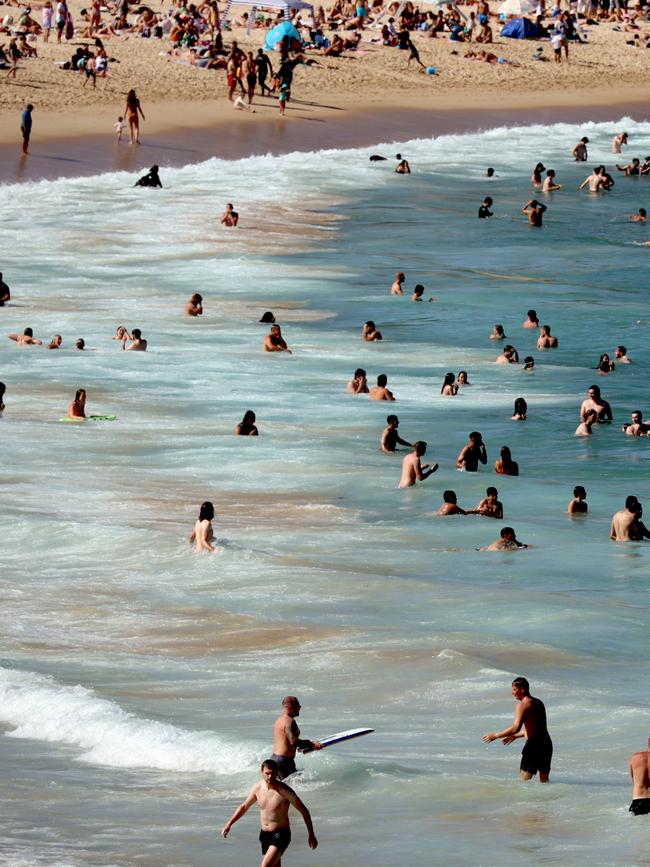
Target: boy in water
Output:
[(412, 469), (578, 505), (390, 438)]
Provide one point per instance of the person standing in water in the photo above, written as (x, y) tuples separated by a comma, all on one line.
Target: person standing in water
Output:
[(578, 505), (286, 738), (132, 113), (530, 715), (534, 211), (274, 799), (390, 438), (247, 426), (203, 535), (412, 468), (77, 407), (471, 454), (640, 773)]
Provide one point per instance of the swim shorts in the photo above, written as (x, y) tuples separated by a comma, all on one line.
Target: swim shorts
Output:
[(536, 755), (286, 765), (640, 806), (280, 839)]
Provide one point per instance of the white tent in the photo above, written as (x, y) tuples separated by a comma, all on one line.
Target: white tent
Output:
[(518, 8), (287, 7)]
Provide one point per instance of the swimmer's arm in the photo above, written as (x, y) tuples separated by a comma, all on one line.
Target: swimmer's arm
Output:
[(241, 810), (584, 184), (12, 336)]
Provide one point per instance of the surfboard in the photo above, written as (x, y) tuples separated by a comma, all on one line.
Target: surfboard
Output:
[(340, 737)]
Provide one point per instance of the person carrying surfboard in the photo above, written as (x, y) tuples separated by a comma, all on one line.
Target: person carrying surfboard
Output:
[(287, 740)]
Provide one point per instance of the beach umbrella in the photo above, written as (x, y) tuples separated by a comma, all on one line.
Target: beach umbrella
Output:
[(518, 8), (446, 3)]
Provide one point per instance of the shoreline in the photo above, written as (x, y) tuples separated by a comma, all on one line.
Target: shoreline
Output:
[(78, 150)]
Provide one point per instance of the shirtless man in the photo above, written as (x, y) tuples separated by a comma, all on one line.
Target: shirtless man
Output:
[(287, 740), (390, 438), (472, 453), (594, 181), (5, 294), (194, 307), (550, 185), (359, 383), (546, 340), (534, 210), (620, 354), (618, 142), (584, 429), (530, 715), (640, 217), (450, 505), (595, 401), (26, 338), (379, 391), (274, 799), (531, 320), (412, 469), (579, 152), (274, 341), (623, 529), (640, 773), (139, 344), (230, 217), (396, 288), (637, 428), (490, 507), (507, 541), (508, 356), (578, 505)]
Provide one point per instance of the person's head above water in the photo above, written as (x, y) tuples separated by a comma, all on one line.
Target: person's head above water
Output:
[(489, 173), (449, 497), (382, 379), (519, 683), (268, 316), (206, 512), (359, 372)]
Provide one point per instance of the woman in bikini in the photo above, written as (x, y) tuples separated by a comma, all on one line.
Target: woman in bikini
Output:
[(131, 112)]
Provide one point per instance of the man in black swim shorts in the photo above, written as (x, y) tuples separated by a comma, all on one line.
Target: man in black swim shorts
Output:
[(287, 740), (640, 773), (530, 715), (273, 798)]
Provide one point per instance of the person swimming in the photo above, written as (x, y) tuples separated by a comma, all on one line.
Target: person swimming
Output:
[(151, 179)]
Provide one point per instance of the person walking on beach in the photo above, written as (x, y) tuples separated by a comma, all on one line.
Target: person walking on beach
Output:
[(132, 113), (264, 67), (530, 715), (274, 799), (61, 19), (286, 738), (26, 126), (640, 773)]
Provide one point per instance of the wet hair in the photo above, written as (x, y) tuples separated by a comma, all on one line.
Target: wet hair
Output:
[(529, 360), (269, 763), (637, 412), (249, 417), (28, 332), (359, 372), (449, 380), (488, 201), (206, 512), (550, 173), (595, 388), (268, 316), (382, 379), (506, 454), (418, 289), (420, 446), (370, 325), (391, 419), (81, 392), (521, 682), (80, 344), (475, 435), (537, 172), (136, 333), (490, 172), (498, 328), (532, 314), (449, 497), (521, 407), (584, 140), (506, 531), (579, 491), (196, 298), (604, 363), (492, 491), (547, 328), (230, 205), (631, 503), (462, 373)]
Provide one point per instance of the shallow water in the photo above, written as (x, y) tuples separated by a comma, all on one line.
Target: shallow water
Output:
[(139, 683)]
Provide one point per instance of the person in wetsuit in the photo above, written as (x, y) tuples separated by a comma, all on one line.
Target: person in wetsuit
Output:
[(151, 179), (530, 715)]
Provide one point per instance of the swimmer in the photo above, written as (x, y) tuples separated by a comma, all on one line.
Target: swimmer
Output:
[(80, 344), (620, 354), (508, 356), (121, 332), (489, 173), (396, 288), (530, 715), (584, 429), (230, 217), (578, 505), (403, 168), (605, 364), (490, 507), (484, 211), (536, 178), (274, 341), (623, 523), (534, 211), (268, 317), (618, 142), (449, 387), (412, 468), (497, 332), (520, 410), (507, 541), (637, 427), (418, 292), (608, 180), (139, 344), (390, 439), (380, 391), (77, 407), (529, 363), (472, 454), (151, 179), (246, 427), (462, 379), (596, 402), (504, 464), (531, 320), (26, 338), (594, 181), (550, 185), (203, 535), (546, 340), (55, 342), (579, 152), (3, 389), (640, 773), (369, 332), (194, 307), (641, 216), (359, 383), (450, 505), (5, 292), (287, 740), (632, 170), (274, 799)]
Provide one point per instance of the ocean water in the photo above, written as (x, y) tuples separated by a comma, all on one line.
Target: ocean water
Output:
[(139, 682)]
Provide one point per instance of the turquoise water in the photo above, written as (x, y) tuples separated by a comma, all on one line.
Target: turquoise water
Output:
[(139, 682)]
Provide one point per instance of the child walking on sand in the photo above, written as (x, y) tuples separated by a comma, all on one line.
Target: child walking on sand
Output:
[(119, 127)]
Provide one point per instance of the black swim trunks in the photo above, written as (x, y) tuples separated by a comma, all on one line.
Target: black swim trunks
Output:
[(640, 806), (536, 755), (286, 765), (280, 839)]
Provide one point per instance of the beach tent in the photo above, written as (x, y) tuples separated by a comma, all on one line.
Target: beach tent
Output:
[(520, 28), (517, 8), (275, 36), (287, 7)]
